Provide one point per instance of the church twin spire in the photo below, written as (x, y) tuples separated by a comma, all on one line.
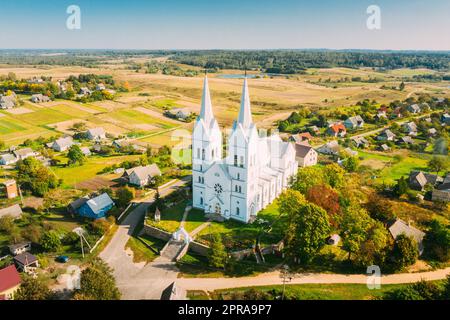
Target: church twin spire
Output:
[(245, 114)]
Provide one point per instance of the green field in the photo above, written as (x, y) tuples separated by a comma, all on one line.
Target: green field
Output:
[(130, 116), (8, 126), (74, 174)]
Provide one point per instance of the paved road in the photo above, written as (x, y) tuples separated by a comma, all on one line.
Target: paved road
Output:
[(273, 278), (139, 280)]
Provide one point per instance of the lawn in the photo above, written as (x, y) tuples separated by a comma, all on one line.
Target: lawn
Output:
[(395, 167), (145, 248), (130, 116), (194, 219), (74, 174), (317, 291), (170, 217), (43, 116), (237, 235), (8, 126), (193, 265)]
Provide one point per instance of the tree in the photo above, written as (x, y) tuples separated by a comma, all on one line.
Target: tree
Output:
[(438, 164), (79, 126), (379, 208), (326, 198), (75, 155), (124, 196), (405, 251), (401, 87), (308, 177), (6, 223), (356, 223), (217, 254), (422, 290), (307, 233), (2, 145), (33, 289), (373, 249), (50, 241), (401, 187), (97, 283), (34, 176), (351, 164), (437, 241), (334, 175), (289, 202), (441, 146), (32, 233)]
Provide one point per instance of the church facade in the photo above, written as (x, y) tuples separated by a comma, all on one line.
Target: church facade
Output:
[(252, 173)]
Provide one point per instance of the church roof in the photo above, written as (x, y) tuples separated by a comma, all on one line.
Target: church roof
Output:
[(206, 109), (245, 113)]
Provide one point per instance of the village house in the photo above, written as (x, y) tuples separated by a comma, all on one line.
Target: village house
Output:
[(306, 156), (96, 134), (141, 176), (62, 144), (410, 128), (179, 113), (360, 142), (121, 144), (399, 227), (382, 112), (385, 147), (84, 91), (86, 151), (354, 122), (24, 153), (9, 282), (100, 87), (19, 248), (39, 97), (442, 192), (397, 113), (35, 80), (445, 118), (7, 102), (406, 140), (314, 130), (7, 159), (414, 108), (432, 132), (386, 135), (301, 137), (350, 152), (337, 130), (15, 211), (331, 147), (97, 207), (11, 189), (26, 262), (75, 205), (418, 180)]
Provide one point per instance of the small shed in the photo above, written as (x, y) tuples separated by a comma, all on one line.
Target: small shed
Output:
[(19, 248), (26, 262)]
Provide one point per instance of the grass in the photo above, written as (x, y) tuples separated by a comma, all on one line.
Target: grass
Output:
[(72, 175), (237, 235), (7, 126), (140, 245), (315, 291), (170, 217), (193, 265), (132, 116), (194, 219)]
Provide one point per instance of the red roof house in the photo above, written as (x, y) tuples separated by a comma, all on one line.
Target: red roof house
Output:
[(9, 281)]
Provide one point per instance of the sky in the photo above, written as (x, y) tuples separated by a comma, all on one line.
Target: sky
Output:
[(226, 24)]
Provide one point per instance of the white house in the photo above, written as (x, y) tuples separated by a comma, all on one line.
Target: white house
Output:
[(255, 170), (354, 122), (7, 159), (100, 87), (39, 97), (62, 144), (142, 176), (306, 156), (24, 153), (386, 135), (96, 134)]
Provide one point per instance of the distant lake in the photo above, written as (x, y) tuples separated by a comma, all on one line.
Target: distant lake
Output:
[(237, 76), (241, 76)]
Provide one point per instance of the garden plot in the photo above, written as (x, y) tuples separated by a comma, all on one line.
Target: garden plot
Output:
[(20, 110)]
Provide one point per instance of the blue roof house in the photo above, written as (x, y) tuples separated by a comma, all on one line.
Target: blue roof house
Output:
[(97, 207)]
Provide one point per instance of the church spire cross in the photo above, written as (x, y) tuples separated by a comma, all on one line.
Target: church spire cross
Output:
[(245, 113), (206, 109)]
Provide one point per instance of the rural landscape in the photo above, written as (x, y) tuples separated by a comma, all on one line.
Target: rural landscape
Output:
[(94, 141)]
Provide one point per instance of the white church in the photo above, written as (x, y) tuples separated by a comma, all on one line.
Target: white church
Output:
[(255, 170)]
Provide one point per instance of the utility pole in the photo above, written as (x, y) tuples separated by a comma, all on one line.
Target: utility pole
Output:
[(286, 276)]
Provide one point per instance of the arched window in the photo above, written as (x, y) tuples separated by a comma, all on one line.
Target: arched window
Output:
[(212, 153), (235, 160), (242, 162), (198, 153), (237, 211), (199, 179), (201, 200), (203, 154)]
